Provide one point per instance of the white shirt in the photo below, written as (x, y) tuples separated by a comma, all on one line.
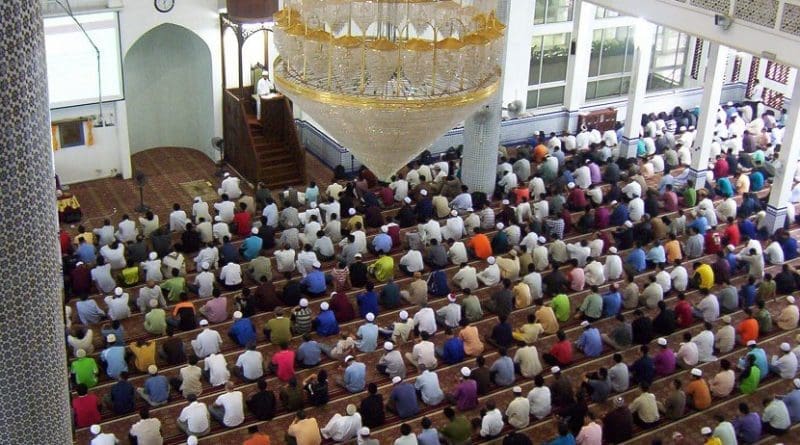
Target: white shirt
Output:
[(431, 230), (230, 187), (284, 260), (264, 86), (206, 343), (231, 274), (413, 261), (252, 364), (578, 252), (613, 267), (360, 240), (786, 364), (492, 423), (400, 188), (688, 353), (594, 274), (490, 276), (539, 399), (664, 280), (105, 439), (127, 231), (221, 230), (773, 253), (114, 257), (196, 417), (234, 408), (705, 346), (205, 284), (217, 369), (458, 253), (454, 228), (177, 221), (466, 278), (206, 231), (147, 431), (680, 278), (425, 320), (226, 209), (152, 270), (632, 189), (118, 308), (636, 209), (583, 177), (200, 210), (208, 255), (424, 352), (596, 247)]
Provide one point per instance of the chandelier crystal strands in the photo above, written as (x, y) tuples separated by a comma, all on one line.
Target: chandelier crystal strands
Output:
[(386, 78)]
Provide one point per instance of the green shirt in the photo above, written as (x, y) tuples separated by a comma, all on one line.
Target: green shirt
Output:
[(383, 269), (592, 306), (85, 370), (459, 431), (560, 305), (175, 286), (130, 275), (472, 308), (689, 197), (764, 319), (155, 322), (279, 330), (292, 398), (750, 383)]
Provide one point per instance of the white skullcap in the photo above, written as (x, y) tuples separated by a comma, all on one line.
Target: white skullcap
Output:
[(683, 128), (313, 204), (153, 303), (454, 212), (705, 430), (384, 228), (516, 390), (465, 371), (358, 255), (790, 299), (571, 185), (505, 202), (204, 322), (79, 263), (152, 369), (111, 338), (731, 247), (197, 199), (584, 323), (388, 346), (697, 372), (628, 224), (662, 341), (423, 192), (95, 429), (218, 218), (785, 347), (351, 211), (226, 175), (751, 343), (729, 104), (348, 358), (324, 306), (364, 431), (192, 440), (490, 260), (117, 291), (500, 226), (726, 319), (370, 316), (451, 297), (152, 256), (407, 200), (303, 302), (470, 209), (204, 265), (542, 240), (396, 379), (555, 369), (317, 264), (350, 409), (404, 315), (614, 202), (237, 315), (80, 353), (254, 231), (612, 249), (796, 383)]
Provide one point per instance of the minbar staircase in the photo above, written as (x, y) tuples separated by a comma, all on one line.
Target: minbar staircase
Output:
[(268, 149)]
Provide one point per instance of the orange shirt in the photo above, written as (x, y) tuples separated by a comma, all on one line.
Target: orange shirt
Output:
[(673, 250), (521, 193), (701, 396), (472, 340), (747, 330), (257, 439), (539, 153), (481, 245), (180, 305)]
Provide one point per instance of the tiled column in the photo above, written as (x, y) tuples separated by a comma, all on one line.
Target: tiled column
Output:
[(34, 398), (712, 92), (789, 155), (482, 131), (644, 34)]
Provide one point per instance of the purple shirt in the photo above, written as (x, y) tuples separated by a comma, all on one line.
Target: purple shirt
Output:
[(664, 362), (466, 395), (601, 218), (748, 427), (594, 173), (216, 310)]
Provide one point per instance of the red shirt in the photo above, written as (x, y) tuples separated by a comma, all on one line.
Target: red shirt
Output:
[(242, 221), (713, 243), (65, 241), (387, 196), (257, 439), (81, 280), (284, 362), (732, 234), (86, 412), (577, 198), (520, 193), (721, 168), (342, 307), (670, 201), (394, 234), (683, 314), (562, 351)]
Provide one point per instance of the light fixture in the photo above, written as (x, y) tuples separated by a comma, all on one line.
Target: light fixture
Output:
[(386, 78)]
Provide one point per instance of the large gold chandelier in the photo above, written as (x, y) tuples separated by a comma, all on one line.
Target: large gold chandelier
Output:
[(386, 78)]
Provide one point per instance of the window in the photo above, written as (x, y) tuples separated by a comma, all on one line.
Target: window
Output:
[(545, 97), (777, 72), (552, 11), (670, 51), (610, 62), (755, 63), (773, 99), (603, 13), (697, 58), (549, 56)]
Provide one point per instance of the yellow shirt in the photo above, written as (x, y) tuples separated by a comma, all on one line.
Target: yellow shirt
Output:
[(87, 236), (672, 248), (713, 441), (305, 432), (522, 295), (472, 341), (706, 276), (351, 223), (144, 355), (547, 318), (383, 269)]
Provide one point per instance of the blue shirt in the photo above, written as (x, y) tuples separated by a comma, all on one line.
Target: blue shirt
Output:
[(748, 427), (115, 360), (747, 227), (761, 361), (367, 302), (612, 303), (563, 440), (453, 350), (643, 370), (251, 247), (619, 215), (243, 332), (312, 193), (86, 253), (157, 388), (228, 253), (355, 377), (428, 385), (725, 188), (756, 181), (700, 223), (326, 323), (748, 295), (656, 255), (309, 353), (315, 282), (122, 397), (789, 246), (637, 260), (590, 342), (503, 371), (405, 400), (732, 261), (368, 337), (382, 243), (428, 437)]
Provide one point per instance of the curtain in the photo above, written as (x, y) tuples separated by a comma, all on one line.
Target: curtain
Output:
[(54, 137)]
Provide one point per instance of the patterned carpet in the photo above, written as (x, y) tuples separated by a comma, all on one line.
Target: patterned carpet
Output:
[(168, 171)]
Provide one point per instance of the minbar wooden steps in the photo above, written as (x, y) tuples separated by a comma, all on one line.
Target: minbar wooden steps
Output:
[(278, 163)]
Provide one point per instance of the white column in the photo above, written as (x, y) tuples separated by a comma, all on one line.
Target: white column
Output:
[(789, 155), (578, 66), (518, 52), (644, 34), (712, 92)]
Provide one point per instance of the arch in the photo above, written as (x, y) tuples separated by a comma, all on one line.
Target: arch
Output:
[(168, 89)]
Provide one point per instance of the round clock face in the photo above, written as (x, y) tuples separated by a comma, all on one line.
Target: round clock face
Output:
[(164, 5)]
